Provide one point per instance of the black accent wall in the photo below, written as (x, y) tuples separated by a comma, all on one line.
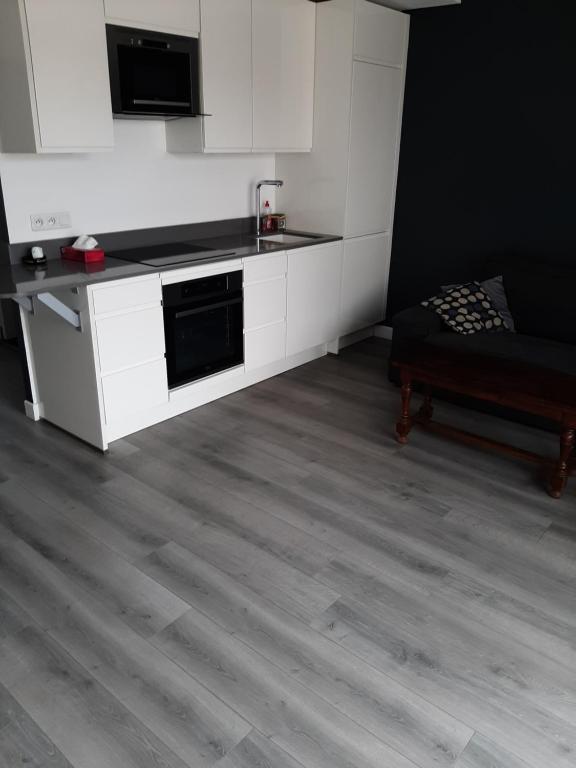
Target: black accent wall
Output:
[(488, 153)]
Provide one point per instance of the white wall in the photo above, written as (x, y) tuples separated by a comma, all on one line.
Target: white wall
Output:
[(137, 186)]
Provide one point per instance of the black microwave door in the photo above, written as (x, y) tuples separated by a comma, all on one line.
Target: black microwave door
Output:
[(153, 80)]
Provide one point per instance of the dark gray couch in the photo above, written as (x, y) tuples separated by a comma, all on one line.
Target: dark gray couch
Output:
[(542, 300)]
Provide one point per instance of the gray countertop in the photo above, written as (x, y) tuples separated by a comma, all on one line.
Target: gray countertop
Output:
[(57, 274)]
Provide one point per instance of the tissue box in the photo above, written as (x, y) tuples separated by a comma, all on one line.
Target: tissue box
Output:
[(85, 257)]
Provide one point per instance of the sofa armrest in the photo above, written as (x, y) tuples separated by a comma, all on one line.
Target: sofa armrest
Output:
[(412, 324), (416, 323)]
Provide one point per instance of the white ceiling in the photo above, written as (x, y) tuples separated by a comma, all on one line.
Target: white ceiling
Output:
[(412, 5)]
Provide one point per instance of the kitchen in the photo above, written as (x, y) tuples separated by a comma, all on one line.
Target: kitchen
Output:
[(215, 549), (306, 95)]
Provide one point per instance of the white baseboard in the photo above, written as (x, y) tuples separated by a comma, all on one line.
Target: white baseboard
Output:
[(384, 332), (34, 411), (351, 338)]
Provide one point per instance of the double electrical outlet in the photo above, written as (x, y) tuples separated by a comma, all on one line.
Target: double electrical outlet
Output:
[(44, 221)]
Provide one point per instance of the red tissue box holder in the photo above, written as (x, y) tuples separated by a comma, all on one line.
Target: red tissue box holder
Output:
[(86, 257)]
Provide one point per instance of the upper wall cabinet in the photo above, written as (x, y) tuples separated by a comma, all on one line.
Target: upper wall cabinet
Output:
[(379, 34), (179, 17), (54, 86), (227, 74), (283, 71), (257, 79)]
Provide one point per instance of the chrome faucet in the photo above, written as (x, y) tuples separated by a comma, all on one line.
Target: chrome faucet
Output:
[(263, 183)]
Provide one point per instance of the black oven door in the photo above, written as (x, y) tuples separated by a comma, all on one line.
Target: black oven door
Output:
[(203, 336), (152, 73)]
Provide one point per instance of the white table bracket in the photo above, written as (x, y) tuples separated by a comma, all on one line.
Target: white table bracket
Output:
[(25, 302), (71, 316)]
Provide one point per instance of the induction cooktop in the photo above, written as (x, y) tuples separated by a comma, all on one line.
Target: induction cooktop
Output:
[(168, 254)]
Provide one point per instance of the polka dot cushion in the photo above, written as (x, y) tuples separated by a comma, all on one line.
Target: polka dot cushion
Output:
[(467, 309)]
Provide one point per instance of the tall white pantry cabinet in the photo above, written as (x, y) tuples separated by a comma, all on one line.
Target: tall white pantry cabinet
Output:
[(347, 184)]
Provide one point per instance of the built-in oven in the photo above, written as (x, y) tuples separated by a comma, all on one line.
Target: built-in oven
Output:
[(153, 74), (204, 327)]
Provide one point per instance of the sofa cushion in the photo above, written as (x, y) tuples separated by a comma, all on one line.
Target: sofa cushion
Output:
[(543, 304), (543, 353), (494, 287), (467, 309)]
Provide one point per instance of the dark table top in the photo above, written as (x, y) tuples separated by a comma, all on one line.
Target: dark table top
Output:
[(508, 382), (57, 274)]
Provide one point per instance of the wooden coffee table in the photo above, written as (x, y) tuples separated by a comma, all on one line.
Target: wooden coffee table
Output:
[(520, 386)]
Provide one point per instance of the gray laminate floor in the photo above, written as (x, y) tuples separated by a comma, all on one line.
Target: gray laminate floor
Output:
[(272, 582)]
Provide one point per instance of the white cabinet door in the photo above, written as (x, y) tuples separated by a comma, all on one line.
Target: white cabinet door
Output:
[(364, 282), (380, 34), (70, 68), (283, 74), (135, 390), (227, 73), (125, 341), (376, 110), (264, 346), (176, 16), (264, 303), (313, 306)]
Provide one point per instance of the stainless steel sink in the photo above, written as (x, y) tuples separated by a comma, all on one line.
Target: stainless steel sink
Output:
[(286, 238)]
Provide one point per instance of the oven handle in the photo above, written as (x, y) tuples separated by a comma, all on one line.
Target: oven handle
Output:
[(206, 307)]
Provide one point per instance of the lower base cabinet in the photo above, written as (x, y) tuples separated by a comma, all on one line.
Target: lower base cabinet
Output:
[(264, 310), (365, 271), (313, 307), (134, 390), (264, 346)]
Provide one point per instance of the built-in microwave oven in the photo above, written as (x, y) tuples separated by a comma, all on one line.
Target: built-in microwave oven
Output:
[(153, 74)]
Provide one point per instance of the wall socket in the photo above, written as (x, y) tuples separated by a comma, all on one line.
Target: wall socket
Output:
[(46, 221)]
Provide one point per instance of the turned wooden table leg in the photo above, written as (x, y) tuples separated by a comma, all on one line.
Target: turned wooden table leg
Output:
[(560, 477), (404, 425)]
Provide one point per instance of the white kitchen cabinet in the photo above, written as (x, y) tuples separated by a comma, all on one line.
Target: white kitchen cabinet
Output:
[(130, 339), (357, 121), (264, 310), (54, 84), (379, 34), (123, 295), (135, 390), (347, 184), (374, 138), (364, 282), (227, 74), (283, 74), (264, 346), (257, 79), (179, 17), (260, 268), (264, 303), (313, 306), (128, 328)]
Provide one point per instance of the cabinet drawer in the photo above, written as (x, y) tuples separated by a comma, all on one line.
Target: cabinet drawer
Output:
[(264, 303), (264, 346), (256, 269), (127, 340), (125, 295), (134, 390), (380, 34)]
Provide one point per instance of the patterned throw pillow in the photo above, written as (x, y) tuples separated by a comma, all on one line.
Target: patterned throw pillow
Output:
[(467, 309)]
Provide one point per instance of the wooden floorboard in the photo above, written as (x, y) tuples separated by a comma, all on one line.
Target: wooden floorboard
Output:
[(270, 581)]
